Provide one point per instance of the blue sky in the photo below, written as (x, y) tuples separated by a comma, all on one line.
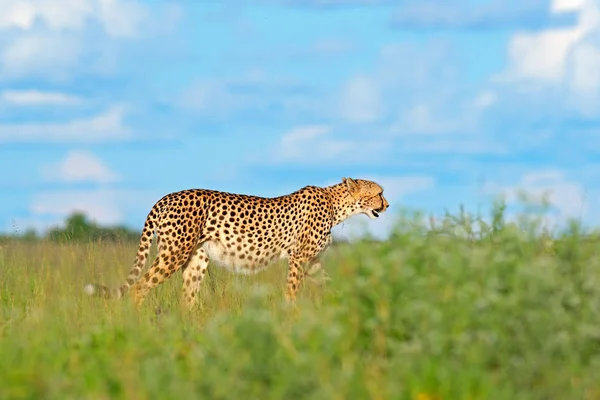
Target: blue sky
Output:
[(105, 106)]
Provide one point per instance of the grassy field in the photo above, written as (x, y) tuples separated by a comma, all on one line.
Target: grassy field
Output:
[(509, 316)]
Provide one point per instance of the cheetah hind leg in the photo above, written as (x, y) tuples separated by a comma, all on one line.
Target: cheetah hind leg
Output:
[(165, 264), (193, 273)]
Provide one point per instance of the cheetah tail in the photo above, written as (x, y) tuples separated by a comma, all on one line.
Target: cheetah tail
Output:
[(93, 289)]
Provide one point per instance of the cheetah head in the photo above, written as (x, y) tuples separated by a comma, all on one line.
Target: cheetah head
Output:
[(368, 196)]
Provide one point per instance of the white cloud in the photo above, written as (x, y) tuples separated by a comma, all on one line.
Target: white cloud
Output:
[(427, 109), (293, 140), (18, 14), (584, 76), (424, 128), (558, 58), (117, 17), (106, 126), (104, 206), (54, 14), (485, 99), (260, 92), (481, 15), (361, 100), (36, 97), (561, 6), (315, 144), (80, 166), (454, 144), (432, 67), (52, 54), (50, 38), (122, 18), (332, 3), (420, 119), (566, 197), (208, 94), (100, 205), (541, 56)]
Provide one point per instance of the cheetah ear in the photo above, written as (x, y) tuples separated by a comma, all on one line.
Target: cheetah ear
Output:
[(351, 184)]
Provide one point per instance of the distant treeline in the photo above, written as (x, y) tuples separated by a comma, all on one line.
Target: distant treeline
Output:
[(78, 228)]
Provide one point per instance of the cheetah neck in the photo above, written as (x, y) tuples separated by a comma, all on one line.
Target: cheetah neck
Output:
[(344, 205)]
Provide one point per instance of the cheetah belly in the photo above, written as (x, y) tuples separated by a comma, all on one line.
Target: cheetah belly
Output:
[(240, 261)]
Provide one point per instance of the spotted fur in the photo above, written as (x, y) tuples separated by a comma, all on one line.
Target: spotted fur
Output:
[(242, 233)]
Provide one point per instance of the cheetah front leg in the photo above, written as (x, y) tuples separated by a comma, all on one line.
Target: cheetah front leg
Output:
[(298, 268), (306, 257), (311, 271), (193, 272), (315, 265)]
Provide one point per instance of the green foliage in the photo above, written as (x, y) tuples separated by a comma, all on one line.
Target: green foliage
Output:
[(453, 312), (77, 228)]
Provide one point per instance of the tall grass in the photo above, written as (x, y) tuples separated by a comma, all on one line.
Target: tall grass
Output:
[(507, 315)]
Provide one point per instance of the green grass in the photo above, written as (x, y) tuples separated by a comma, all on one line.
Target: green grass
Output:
[(510, 316)]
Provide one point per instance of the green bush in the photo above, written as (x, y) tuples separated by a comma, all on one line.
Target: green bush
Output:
[(440, 312)]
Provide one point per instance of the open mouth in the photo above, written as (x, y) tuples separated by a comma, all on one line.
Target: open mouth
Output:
[(375, 213)]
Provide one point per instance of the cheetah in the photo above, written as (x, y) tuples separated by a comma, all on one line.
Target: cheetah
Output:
[(243, 233)]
